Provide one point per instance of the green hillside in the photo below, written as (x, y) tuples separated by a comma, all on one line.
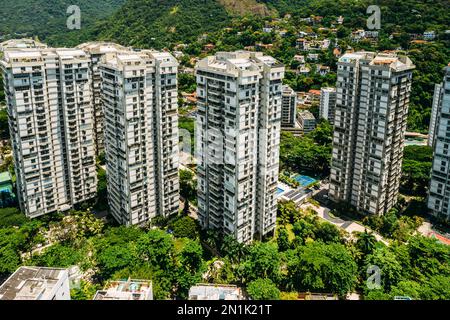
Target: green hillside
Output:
[(154, 23), (47, 19)]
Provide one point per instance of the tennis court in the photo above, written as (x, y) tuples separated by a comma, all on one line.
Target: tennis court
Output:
[(304, 181)]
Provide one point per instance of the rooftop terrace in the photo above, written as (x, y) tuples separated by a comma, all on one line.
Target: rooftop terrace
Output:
[(32, 283), (130, 289)]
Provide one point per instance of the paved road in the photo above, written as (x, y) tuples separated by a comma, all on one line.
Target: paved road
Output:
[(348, 225)]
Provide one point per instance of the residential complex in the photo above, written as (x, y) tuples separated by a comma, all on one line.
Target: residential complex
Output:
[(49, 102), (327, 104), (126, 290), (36, 283), (238, 132), (56, 99), (96, 50), (439, 192), (288, 107), (372, 99), (139, 93)]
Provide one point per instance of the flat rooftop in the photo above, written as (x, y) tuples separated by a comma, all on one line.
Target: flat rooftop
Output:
[(130, 289), (31, 283), (306, 115), (215, 292)]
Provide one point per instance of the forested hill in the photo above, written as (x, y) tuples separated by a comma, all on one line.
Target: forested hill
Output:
[(153, 23), (413, 16), (46, 19)]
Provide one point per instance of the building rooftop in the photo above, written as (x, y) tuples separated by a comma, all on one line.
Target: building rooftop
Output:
[(100, 47), (5, 177), (31, 283), (238, 62), (389, 60), (328, 89), (21, 44), (306, 115), (130, 289), (215, 292), (287, 89)]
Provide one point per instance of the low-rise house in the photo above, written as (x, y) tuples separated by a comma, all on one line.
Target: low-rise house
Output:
[(322, 70), (282, 32), (415, 36), (189, 98), (262, 46), (215, 292), (208, 47), (303, 69), (418, 41), (314, 95), (299, 58), (371, 34), (126, 290), (429, 35), (337, 52), (36, 283), (178, 54), (187, 70), (313, 56), (358, 35), (179, 46), (302, 43)]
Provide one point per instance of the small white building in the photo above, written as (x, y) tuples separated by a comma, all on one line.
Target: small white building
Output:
[(299, 58), (126, 290), (215, 292), (36, 283), (313, 56), (322, 70), (429, 35)]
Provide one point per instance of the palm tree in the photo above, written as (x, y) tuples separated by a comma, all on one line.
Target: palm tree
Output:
[(366, 242)]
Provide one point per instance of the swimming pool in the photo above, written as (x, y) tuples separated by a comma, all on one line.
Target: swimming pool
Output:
[(304, 180), (279, 190)]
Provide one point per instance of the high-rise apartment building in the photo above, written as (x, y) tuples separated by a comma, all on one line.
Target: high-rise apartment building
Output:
[(139, 93), (288, 107), (435, 109), (327, 104), (49, 102), (372, 98), (238, 132), (96, 50), (439, 193)]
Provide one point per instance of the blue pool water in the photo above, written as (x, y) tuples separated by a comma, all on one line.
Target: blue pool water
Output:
[(279, 190), (304, 180)]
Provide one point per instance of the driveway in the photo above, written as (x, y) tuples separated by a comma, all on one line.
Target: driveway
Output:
[(348, 225)]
